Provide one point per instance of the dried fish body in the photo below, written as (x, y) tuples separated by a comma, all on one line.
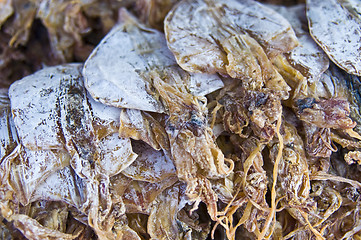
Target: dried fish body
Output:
[(337, 31), (94, 152), (194, 152)]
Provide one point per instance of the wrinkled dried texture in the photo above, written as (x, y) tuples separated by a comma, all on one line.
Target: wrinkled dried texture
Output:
[(30, 168), (70, 121), (32, 230), (193, 149), (19, 25), (105, 118), (337, 31), (330, 113), (138, 222), (283, 2), (293, 177), (139, 196), (9, 138), (353, 157), (242, 110), (124, 81), (318, 141), (232, 40), (254, 179), (63, 185), (335, 83), (37, 33), (65, 24), (308, 58), (140, 125), (164, 218), (38, 123), (150, 165)]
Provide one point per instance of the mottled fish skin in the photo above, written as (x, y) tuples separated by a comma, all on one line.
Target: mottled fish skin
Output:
[(116, 73), (337, 32)]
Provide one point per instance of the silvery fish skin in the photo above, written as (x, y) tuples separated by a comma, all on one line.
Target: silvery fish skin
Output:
[(337, 31), (116, 73)]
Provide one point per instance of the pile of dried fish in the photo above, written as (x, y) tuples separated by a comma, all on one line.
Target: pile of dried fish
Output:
[(234, 120)]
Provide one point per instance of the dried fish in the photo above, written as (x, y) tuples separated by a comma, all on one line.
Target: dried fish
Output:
[(337, 31)]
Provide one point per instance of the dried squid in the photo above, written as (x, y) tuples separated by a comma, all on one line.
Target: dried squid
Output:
[(191, 119)]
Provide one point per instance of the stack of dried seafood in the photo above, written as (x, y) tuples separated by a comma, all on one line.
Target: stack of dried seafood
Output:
[(191, 119)]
